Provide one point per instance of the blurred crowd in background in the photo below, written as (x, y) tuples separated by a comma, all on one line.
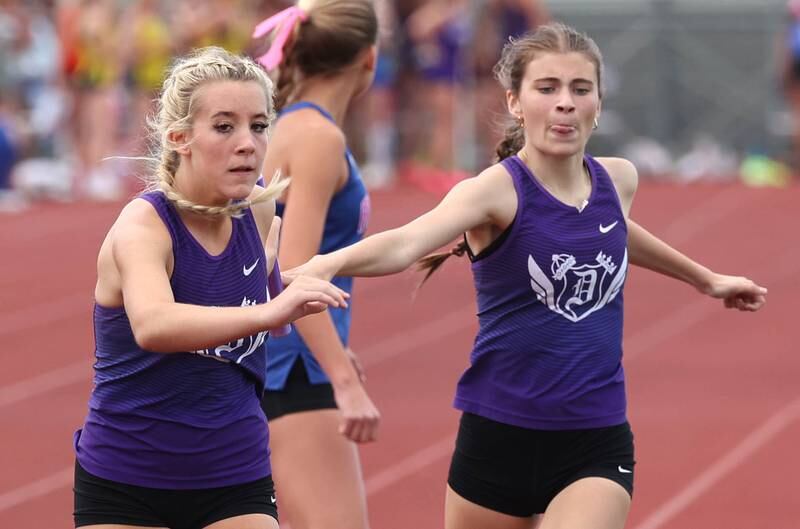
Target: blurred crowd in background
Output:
[(78, 77)]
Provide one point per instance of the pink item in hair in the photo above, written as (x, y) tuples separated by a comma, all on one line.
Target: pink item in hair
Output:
[(284, 22)]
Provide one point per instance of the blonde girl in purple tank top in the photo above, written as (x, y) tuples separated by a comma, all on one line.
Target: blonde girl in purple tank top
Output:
[(210, 133)]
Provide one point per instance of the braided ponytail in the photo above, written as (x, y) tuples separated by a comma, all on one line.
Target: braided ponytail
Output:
[(432, 262), (285, 85), (512, 143)]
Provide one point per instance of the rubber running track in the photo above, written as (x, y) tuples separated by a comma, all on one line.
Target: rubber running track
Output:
[(714, 395)]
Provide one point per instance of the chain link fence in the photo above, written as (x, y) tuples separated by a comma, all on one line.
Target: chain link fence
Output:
[(685, 75)]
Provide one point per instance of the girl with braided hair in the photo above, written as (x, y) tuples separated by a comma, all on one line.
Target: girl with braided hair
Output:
[(544, 438), (323, 53), (175, 435)]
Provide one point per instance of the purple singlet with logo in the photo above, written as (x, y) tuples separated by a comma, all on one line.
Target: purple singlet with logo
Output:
[(548, 354), (183, 420)]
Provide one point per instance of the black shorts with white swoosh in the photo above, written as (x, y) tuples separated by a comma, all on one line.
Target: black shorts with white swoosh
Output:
[(518, 471), (101, 501)]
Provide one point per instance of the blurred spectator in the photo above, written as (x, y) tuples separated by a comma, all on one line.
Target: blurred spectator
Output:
[(224, 23), (31, 103), (439, 31), (790, 70), (91, 28), (496, 22), (10, 200), (146, 57), (379, 108)]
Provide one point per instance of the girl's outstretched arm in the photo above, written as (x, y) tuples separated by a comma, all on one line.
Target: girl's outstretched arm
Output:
[(471, 203), (648, 251)]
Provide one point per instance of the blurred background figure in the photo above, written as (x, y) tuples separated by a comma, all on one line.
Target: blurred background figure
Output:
[(495, 23), (146, 57), (10, 200), (31, 107), (438, 32), (77, 79), (94, 31), (790, 75), (378, 114)]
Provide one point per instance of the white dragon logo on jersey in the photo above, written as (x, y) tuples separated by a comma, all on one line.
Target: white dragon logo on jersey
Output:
[(577, 290)]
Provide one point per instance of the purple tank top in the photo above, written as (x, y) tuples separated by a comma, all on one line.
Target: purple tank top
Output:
[(548, 354), (183, 420)]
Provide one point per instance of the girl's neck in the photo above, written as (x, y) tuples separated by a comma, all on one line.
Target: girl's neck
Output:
[(190, 188), (331, 93), (564, 175)]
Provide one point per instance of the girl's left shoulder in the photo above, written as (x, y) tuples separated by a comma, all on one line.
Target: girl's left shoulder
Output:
[(624, 177)]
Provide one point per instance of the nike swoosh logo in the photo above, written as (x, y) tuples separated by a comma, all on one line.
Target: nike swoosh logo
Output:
[(272, 499), (619, 467), (249, 270), (606, 229)]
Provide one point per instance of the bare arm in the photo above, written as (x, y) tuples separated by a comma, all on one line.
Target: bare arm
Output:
[(485, 199), (648, 251), (141, 250)]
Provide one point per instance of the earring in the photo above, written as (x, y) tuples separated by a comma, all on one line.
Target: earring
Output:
[(596, 123), (521, 120)]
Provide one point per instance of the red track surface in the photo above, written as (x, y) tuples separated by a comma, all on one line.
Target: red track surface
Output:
[(714, 395)]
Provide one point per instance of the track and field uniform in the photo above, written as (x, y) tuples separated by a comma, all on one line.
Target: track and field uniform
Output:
[(546, 368), (295, 380), (180, 421)]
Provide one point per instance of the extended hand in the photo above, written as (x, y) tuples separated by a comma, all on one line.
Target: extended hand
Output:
[(737, 292), (307, 295)]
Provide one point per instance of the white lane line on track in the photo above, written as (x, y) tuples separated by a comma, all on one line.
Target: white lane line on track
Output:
[(36, 489), (45, 314), (642, 340), (386, 349), (707, 479), (410, 465), (45, 382)]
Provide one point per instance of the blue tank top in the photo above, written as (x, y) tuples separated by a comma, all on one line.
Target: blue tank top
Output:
[(345, 224), (548, 354), (793, 38), (183, 420)]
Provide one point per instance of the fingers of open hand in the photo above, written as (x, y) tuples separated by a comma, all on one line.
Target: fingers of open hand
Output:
[(317, 290)]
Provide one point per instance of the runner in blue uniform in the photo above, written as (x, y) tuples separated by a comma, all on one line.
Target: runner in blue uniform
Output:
[(325, 54), (544, 437)]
